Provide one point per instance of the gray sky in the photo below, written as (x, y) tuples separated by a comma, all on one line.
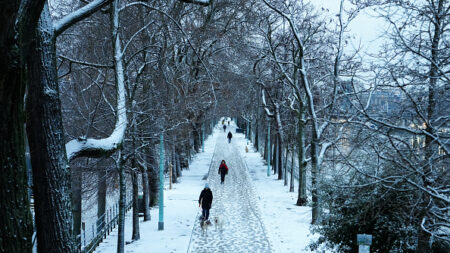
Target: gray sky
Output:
[(365, 27)]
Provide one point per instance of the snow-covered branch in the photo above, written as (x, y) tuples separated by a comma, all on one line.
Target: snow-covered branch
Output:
[(63, 24), (92, 147), (198, 2)]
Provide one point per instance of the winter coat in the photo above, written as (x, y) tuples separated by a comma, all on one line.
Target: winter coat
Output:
[(229, 135), (223, 169), (206, 198)]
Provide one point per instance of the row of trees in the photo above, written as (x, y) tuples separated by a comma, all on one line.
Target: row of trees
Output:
[(143, 79), (104, 79), (370, 138)]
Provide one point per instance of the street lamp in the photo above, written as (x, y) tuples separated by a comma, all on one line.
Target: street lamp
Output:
[(161, 183)]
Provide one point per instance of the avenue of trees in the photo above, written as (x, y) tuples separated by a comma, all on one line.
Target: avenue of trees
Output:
[(91, 86)]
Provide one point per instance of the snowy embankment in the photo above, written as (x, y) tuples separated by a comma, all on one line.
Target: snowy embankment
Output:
[(286, 225), (180, 212)]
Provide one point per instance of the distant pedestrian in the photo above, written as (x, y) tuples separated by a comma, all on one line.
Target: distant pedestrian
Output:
[(205, 201), (223, 170), (229, 136), (228, 122), (224, 128)]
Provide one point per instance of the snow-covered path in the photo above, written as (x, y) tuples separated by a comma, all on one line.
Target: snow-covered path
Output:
[(258, 212), (234, 204)]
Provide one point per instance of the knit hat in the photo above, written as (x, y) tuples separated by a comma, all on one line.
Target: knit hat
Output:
[(206, 185)]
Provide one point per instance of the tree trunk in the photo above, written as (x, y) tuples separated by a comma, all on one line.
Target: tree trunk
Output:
[(291, 184), (46, 137), (257, 136), (302, 199), (196, 137), (280, 157), (273, 152), (101, 198), (266, 150), (178, 164), (122, 205), (174, 164), (285, 166), (146, 194), (153, 186), (152, 176), (76, 186), (136, 235), (314, 180), (16, 30)]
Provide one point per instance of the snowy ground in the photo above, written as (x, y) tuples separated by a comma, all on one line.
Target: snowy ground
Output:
[(258, 212)]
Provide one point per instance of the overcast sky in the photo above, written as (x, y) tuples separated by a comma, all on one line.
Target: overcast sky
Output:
[(365, 27)]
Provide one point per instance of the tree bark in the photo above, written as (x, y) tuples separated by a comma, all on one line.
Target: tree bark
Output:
[(136, 235), (101, 197), (280, 157), (146, 194), (291, 184), (314, 181), (17, 25), (196, 137), (76, 186), (122, 205), (178, 162), (174, 163), (152, 176), (302, 198), (46, 138), (273, 152)]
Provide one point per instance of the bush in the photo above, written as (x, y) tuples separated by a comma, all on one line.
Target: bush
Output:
[(369, 209)]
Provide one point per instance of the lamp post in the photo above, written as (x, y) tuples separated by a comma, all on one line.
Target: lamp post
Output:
[(268, 151), (161, 183)]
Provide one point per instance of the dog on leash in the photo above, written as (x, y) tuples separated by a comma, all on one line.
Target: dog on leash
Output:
[(218, 223), (204, 226)]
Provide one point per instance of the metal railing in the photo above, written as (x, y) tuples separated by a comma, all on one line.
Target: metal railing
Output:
[(102, 228)]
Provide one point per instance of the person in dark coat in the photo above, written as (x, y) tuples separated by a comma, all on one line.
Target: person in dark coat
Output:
[(223, 170), (229, 136), (205, 200), (224, 128)]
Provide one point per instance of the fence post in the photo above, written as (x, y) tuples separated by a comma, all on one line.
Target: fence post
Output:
[(109, 220), (364, 241), (83, 226)]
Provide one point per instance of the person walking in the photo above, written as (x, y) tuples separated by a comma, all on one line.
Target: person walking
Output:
[(223, 170), (224, 128), (229, 136), (205, 201)]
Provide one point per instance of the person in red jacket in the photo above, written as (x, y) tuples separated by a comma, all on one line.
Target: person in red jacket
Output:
[(223, 170)]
